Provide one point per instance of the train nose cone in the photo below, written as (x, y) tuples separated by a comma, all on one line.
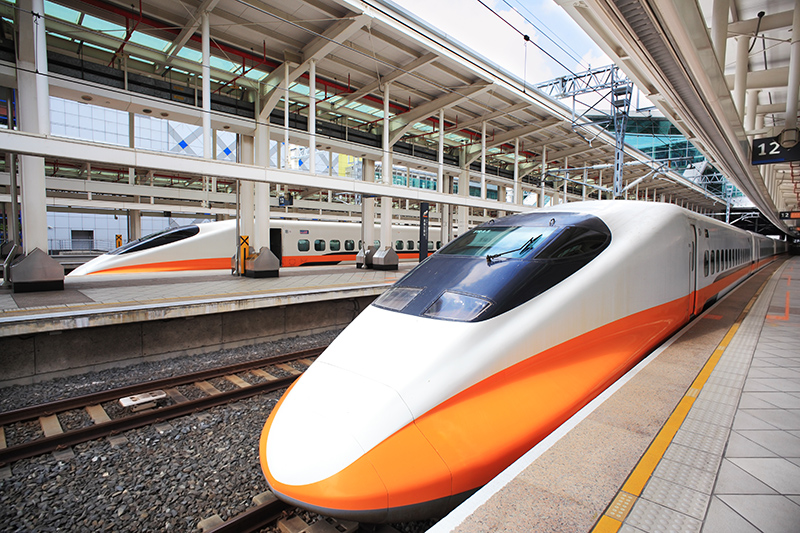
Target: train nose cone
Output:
[(313, 445)]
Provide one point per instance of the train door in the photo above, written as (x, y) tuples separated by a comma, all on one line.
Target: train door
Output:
[(695, 270), (275, 240)]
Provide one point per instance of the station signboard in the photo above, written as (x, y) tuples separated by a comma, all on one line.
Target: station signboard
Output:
[(768, 150), (789, 215)]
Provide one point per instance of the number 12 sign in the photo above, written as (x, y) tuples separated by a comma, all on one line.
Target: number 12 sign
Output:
[(768, 150)]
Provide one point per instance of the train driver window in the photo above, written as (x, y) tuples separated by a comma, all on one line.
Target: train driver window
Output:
[(349, 245), (303, 245), (705, 263), (410, 245), (336, 245), (319, 245), (398, 244)]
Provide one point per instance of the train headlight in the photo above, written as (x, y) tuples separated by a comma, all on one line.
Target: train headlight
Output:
[(397, 298), (455, 306)]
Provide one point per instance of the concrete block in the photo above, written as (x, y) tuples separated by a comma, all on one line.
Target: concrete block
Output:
[(60, 350), (17, 357), (253, 324), (181, 334)]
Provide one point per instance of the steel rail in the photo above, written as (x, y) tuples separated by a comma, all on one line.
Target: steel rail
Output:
[(104, 429), (35, 411), (254, 519)]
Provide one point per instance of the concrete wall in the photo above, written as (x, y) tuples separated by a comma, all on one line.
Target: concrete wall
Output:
[(42, 356)]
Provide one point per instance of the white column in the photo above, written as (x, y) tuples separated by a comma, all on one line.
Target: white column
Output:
[(483, 160), (368, 208), (740, 77), (440, 171), (517, 182), (312, 117), (386, 172), (793, 87), (247, 190), (583, 189), (719, 29), (206, 70), (600, 183), (750, 115), (260, 237), (287, 153), (33, 99), (544, 174), (566, 175)]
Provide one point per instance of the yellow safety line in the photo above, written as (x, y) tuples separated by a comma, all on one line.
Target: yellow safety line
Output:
[(614, 516)]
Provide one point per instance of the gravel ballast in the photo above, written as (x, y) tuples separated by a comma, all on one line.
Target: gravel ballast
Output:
[(165, 477)]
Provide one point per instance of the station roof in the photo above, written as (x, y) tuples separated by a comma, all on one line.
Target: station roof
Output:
[(360, 48), (666, 48)]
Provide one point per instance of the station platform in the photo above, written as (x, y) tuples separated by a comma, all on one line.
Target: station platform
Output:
[(99, 321), (703, 435), (104, 299)]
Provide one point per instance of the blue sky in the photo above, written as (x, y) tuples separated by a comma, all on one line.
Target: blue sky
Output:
[(543, 21)]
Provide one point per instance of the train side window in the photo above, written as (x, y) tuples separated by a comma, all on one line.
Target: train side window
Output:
[(359, 244), (430, 245), (705, 263), (706, 234), (303, 245), (376, 242), (410, 245), (398, 245), (438, 244), (349, 245), (319, 245), (336, 245), (713, 263), (719, 263)]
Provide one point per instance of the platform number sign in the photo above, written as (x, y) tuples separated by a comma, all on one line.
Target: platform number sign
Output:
[(768, 150)]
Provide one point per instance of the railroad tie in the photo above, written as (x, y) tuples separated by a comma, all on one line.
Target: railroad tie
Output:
[(51, 426), (236, 380), (264, 374), (207, 387), (293, 371)]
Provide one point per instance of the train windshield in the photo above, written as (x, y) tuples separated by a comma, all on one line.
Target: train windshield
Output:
[(512, 242), (160, 238)]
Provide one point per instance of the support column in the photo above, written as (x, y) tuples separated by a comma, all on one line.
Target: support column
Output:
[(367, 249), (287, 154), (266, 261), (719, 30), (37, 271), (740, 77), (517, 181), (583, 188), (544, 175), (312, 117), (483, 160), (566, 178), (440, 171), (386, 258), (247, 191), (790, 138)]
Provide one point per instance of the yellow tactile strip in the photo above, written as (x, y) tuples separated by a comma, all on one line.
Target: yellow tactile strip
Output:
[(615, 514)]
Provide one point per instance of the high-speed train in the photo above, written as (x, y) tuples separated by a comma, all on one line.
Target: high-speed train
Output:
[(489, 345), (210, 245)]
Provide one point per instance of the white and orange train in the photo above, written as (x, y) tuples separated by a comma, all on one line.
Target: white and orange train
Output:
[(513, 327), (210, 246)]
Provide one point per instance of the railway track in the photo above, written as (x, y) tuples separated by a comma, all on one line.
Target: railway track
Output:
[(149, 403)]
